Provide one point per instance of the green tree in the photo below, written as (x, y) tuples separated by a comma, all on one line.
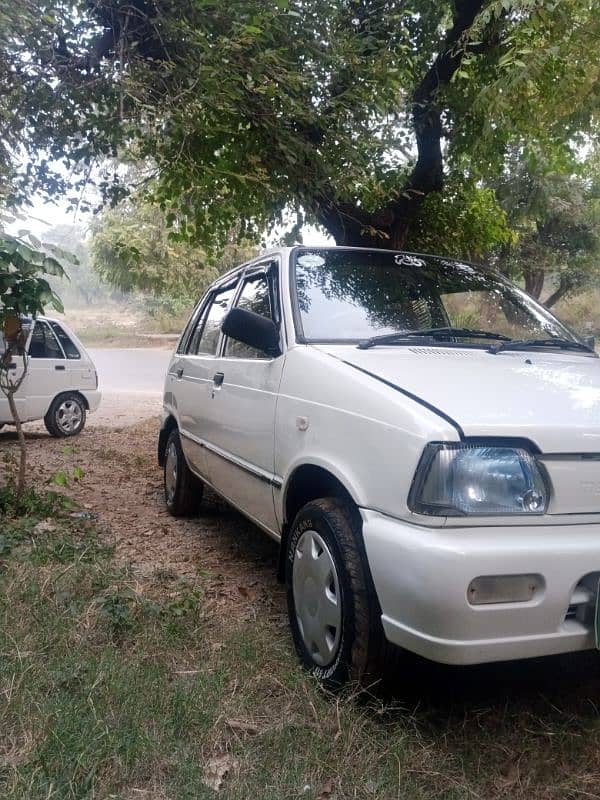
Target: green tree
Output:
[(83, 286), (24, 291), (556, 219), (353, 112), (133, 250)]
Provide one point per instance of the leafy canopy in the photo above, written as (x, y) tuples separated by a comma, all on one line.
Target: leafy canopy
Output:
[(350, 111), (556, 218), (132, 250)]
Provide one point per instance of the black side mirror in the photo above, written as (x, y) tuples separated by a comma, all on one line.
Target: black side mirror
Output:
[(252, 329)]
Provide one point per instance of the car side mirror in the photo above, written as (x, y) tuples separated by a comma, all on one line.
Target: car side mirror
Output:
[(252, 329), (589, 341)]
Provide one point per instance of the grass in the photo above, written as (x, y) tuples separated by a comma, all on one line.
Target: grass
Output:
[(114, 685)]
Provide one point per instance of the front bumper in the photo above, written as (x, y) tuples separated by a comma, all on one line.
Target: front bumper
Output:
[(421, 576)]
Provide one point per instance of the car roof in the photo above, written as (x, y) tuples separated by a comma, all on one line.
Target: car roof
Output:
[(288, 250), (41, 317)]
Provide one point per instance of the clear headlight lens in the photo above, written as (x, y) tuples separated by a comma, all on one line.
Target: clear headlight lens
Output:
[(478, 479)]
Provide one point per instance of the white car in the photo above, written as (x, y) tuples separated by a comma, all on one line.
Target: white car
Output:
[(421, 437), (61, 384)]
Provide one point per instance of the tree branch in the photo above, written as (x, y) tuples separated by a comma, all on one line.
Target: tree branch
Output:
[(389, 226), (427, 175)]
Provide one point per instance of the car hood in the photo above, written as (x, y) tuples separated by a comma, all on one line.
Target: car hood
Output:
[(552, 399)]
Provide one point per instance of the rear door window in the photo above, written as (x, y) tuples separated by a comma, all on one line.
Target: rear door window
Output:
[(256, 297), (67, 344)]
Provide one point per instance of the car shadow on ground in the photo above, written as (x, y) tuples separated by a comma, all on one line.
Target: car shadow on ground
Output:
[(239, 534), (10, 435), (566, 684), (417, 682)]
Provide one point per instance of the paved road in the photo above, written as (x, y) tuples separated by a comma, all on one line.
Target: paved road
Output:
[(138, 371)]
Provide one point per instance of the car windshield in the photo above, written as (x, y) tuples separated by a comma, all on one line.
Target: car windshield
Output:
[(351, 295)]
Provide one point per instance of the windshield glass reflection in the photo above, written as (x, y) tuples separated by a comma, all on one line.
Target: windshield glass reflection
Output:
[(350, 295)]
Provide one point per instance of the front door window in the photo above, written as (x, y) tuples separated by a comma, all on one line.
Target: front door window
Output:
[(255, 296)]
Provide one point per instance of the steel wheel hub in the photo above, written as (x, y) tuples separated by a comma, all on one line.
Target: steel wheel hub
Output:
[(317, 600), (171, 472), (69, 416)]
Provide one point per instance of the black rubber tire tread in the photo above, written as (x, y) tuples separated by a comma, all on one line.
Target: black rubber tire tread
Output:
[(366, 650), (188, 493), (50, 418)]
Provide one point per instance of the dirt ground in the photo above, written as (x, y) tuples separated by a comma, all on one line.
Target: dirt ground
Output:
[(122, 485)]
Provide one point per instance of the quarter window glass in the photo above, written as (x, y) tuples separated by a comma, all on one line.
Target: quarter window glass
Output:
[(192, 326), (206, 336), (192, 347), (67, 345), (43, 343), (255, 297)]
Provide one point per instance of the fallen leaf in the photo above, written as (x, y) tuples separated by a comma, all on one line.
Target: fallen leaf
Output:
[(249, 594), (326, 790), (217, 769), (242, 726), (45, 526)]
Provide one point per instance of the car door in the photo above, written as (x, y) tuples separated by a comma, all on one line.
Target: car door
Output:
[(15, 372), (81, 372), (47, 373), (191, 376), (240, 440)]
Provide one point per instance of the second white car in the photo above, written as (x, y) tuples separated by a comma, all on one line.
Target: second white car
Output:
[(61, 384)]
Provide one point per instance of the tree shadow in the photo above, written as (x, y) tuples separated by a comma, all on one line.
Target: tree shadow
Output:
[(10, 436)]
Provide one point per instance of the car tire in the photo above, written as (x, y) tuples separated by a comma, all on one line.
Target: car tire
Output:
[(66, 415), (333, 609), (183, 490)]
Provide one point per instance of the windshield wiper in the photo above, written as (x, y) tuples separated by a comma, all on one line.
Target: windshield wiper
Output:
[(434, 333), (526, 344)]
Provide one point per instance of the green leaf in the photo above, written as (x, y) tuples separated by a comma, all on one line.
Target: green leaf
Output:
[(78, 474), (60, 479)]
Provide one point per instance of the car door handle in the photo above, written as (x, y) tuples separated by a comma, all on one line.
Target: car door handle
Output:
[(59, 366), (179, 372), (218, 378)]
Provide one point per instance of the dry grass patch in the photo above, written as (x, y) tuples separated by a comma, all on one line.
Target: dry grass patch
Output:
[(178, 681)]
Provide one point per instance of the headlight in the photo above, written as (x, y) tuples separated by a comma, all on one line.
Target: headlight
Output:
[(461, 479)]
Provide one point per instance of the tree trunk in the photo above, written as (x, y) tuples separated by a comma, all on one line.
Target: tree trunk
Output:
[(534, 282), (559, 292), (22, 447), (14, 338), (388, 227)]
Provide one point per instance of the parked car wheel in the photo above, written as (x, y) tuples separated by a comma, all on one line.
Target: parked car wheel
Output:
[(333, 609), (66, 415), (183, 490)]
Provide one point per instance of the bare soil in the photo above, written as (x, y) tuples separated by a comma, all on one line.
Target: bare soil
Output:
[(122, 486)]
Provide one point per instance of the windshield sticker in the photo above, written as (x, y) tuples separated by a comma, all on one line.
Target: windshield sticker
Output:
[(311, 260), (408, 261)]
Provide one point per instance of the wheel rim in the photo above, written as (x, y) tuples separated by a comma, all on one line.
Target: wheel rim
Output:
[(317, 599), (171, 472), (69, 416)]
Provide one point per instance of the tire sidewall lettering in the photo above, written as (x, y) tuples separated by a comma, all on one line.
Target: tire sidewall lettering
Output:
[(321, 526)]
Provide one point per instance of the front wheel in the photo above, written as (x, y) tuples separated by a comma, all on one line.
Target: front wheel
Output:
[(66, 415), (183, 490), (333, 610)]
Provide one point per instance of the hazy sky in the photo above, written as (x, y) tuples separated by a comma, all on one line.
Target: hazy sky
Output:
[(43, 216)]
